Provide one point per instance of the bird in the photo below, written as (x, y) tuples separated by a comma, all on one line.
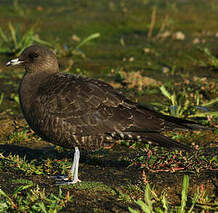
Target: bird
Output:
[(79, 112)]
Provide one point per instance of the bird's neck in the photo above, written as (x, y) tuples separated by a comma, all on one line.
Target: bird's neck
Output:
[(28, 89)]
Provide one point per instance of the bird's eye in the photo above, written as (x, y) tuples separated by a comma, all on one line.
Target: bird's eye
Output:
[(33, 55)]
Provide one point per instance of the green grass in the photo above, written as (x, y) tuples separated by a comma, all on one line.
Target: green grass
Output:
[(1, 98), (35, 200), (152, 203), (21, 164), (210, 61), (72, 49), (13, 42), (181, 104)]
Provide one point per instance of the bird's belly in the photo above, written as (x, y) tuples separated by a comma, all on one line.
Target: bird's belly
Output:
[(63, 134)]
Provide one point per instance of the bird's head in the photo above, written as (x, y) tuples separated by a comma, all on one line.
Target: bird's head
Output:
[(36, 58)]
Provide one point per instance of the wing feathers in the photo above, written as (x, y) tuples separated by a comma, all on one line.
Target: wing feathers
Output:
[(93, 108)]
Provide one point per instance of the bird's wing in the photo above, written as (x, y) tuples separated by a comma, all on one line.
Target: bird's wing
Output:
[(93, 107)]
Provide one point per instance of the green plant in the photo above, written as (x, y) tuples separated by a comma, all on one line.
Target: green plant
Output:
[(18, 136), (15, 98), (75, 50), (34, 201), (152, 203), (1, 98), (13, 42), (160, 160), (204, 105), (209, 60), (17, 8), (19, 163), (181, 104), (184, 193), (212, 61)]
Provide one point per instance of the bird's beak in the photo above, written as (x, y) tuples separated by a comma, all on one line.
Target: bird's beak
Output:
[(13, 62)]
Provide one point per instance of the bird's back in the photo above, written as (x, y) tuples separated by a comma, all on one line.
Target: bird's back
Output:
[(71, 111)]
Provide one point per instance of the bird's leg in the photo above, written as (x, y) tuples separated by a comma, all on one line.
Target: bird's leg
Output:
[(73, 174), (75, 166)]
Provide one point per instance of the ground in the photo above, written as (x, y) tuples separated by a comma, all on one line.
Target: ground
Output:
[(163, 55)]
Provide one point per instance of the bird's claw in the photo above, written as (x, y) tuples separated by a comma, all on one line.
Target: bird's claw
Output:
[(64, 180)]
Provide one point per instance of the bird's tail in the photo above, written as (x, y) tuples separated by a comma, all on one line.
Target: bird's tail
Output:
[(164, 141), (173, 123), (179, 123)]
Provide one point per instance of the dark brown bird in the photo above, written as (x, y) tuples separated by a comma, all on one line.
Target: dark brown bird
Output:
[(74, 111)]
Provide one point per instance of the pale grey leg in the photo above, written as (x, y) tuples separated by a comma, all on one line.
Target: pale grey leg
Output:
[(62, 180), (75, 167)]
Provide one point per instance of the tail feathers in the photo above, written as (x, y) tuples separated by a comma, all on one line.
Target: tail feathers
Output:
[(179, 123), (164, 141), (196, 126)]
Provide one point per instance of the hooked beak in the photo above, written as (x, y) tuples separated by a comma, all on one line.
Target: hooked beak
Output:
[(13, 62)]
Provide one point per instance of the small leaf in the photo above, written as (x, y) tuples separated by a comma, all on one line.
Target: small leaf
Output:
[(91, 37), (165, 92), (133, 210), (184, 193)]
